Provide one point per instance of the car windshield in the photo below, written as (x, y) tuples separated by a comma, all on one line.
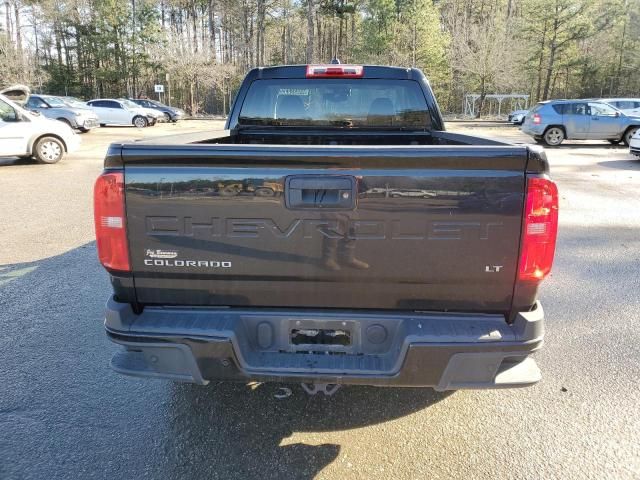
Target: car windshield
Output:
[(55, 102), (128, 103), (355, 103), (74, 102)]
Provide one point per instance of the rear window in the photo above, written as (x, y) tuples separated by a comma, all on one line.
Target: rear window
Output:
[(397, 104), (536, 108)]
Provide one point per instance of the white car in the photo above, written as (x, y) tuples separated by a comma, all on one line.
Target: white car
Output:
[(115, 112), (634, 144), (154, 116), (26, 134), (517, 117)]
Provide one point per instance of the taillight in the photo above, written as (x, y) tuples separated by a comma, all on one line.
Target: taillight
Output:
[(110, 221), (540, 228), (330, 71), (537, 119)]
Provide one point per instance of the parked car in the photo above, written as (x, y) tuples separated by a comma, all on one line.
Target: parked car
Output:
[(115, 112), (154, 116), (329, 285), (517, 116), (27, 134), (554, 121), (624, 104), (83, 119), (634, 144), (171, 114)]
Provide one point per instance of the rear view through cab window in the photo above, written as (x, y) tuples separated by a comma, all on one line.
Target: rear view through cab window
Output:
[(366, 103)]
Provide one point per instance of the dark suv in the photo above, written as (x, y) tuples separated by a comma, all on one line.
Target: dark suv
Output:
[(554, 121)]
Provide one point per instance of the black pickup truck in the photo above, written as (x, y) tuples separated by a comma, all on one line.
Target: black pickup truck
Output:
[(335, 233)]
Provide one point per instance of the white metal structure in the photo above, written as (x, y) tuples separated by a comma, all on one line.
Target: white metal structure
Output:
[(513, 101), (26, 134)]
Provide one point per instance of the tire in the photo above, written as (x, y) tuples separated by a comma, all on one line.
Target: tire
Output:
[(140, 122), (84, 130), (103, 125), (553, 136), (167, 117), (48, 150), (64, 120), (264, 192), (613, 141), (631, 131)]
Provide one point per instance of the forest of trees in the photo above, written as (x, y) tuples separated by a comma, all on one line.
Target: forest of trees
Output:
[(201, 49)]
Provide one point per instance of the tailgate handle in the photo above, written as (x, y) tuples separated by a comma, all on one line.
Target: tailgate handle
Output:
[(320, 191)]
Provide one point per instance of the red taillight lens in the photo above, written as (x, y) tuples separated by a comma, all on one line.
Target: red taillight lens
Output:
[(540, 228), (110, 221), (331, 71), (537, 119)]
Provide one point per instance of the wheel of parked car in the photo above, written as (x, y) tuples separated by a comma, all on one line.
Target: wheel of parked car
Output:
[(264, 192), (553, 136), (140, 122), (613, 141), (167, 117), (631, 131), (64, 120), (48, 150)]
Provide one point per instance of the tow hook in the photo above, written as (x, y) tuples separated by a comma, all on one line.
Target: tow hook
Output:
[(327, 388)]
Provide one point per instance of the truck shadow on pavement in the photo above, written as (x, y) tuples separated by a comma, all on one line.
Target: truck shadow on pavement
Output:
[(235, 431), (632, 163), (61, 399)]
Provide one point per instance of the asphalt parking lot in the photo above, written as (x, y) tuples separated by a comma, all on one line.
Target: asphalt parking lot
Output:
[(65, 414)]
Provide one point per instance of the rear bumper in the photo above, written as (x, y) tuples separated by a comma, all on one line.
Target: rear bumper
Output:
[(89, 123), (444, 351), (533, 130)]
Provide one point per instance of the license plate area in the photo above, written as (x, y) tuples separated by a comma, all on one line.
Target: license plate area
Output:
[(320, 336)]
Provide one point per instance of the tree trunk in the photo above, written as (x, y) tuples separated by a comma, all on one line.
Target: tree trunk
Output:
[(542, 45), (619, 72), (7, 14), (16, 9), (194, 22), (547, 82), (552, 57), (212, 29), (309, 50)]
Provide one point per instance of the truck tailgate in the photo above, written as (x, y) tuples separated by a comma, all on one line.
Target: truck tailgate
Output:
[(415, 227)]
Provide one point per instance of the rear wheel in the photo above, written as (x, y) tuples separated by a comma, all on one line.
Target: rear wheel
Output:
[(554, 136), (140, 122), (48, 150), (631, 131)]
